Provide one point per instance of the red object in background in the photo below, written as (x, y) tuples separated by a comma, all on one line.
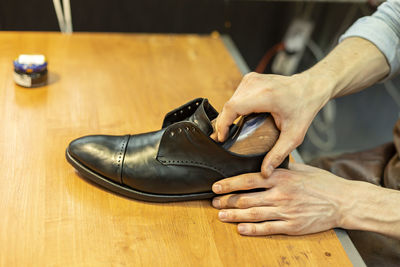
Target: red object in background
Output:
[(262, 65)]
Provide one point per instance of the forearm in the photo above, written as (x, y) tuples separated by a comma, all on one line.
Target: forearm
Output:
[(352, 66), (370, 51), (371, 208)]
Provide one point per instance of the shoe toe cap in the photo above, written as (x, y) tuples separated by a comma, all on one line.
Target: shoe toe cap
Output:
[(100, 153)]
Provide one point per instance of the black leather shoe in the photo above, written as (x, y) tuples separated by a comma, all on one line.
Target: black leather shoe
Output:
[(179, 162)]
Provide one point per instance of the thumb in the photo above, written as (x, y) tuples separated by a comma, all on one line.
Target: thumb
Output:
[(224, 120), (286, 143)]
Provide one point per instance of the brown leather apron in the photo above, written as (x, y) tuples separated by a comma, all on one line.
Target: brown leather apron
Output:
[(380, 166)]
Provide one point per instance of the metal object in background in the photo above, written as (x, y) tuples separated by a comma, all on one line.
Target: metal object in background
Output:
[(324, 122), (376, 2), (296, 38), (63, 15)]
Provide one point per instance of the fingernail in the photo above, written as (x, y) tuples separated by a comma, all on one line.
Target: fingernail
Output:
[(216, 203), (222, 215), (242, 228), (217, 188)]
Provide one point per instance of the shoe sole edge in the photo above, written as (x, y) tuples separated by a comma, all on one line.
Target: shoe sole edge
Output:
[(129, 192)]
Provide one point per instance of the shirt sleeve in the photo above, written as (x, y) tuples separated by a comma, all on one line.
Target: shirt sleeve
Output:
[(383, 30)]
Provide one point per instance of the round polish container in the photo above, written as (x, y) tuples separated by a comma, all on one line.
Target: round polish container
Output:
[(30, 70)]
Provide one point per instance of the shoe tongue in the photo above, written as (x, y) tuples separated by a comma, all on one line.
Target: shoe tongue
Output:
[(203, 116)]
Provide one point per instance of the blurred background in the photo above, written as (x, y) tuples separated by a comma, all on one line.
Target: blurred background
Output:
[(282, 37)]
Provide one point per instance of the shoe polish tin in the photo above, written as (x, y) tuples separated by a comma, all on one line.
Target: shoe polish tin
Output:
[(30, 70)]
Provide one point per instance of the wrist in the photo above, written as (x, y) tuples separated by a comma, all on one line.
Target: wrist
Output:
[(346, 69), (368, 207), (350, 204), (318, 87)]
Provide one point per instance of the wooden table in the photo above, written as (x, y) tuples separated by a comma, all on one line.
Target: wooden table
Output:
[(117, 84)]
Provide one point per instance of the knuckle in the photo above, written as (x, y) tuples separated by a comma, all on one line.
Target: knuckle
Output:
[(269, 90), (249, 75), (229, 199), (253, 229), (242, 203), (295, 228), (225, 187), (266, 229), (250, 182), (283, 197), (229, 106), (222, 202), (276, 197), (218, 122), (280, 196), (268, 198), (278, 159), (231, 215), (283, 174), (254, 213)]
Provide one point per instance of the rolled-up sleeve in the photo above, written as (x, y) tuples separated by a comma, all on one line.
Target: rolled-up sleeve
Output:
[(383, 30)]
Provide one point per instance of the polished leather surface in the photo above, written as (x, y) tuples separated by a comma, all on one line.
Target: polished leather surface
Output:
[(178, 159), (198, 111), (101, 153)]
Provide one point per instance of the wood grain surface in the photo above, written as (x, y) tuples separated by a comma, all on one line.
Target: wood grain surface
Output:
[(117, 84)]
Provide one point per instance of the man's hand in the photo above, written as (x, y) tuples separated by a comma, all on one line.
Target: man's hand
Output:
[(292, 101), (298, 201)]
